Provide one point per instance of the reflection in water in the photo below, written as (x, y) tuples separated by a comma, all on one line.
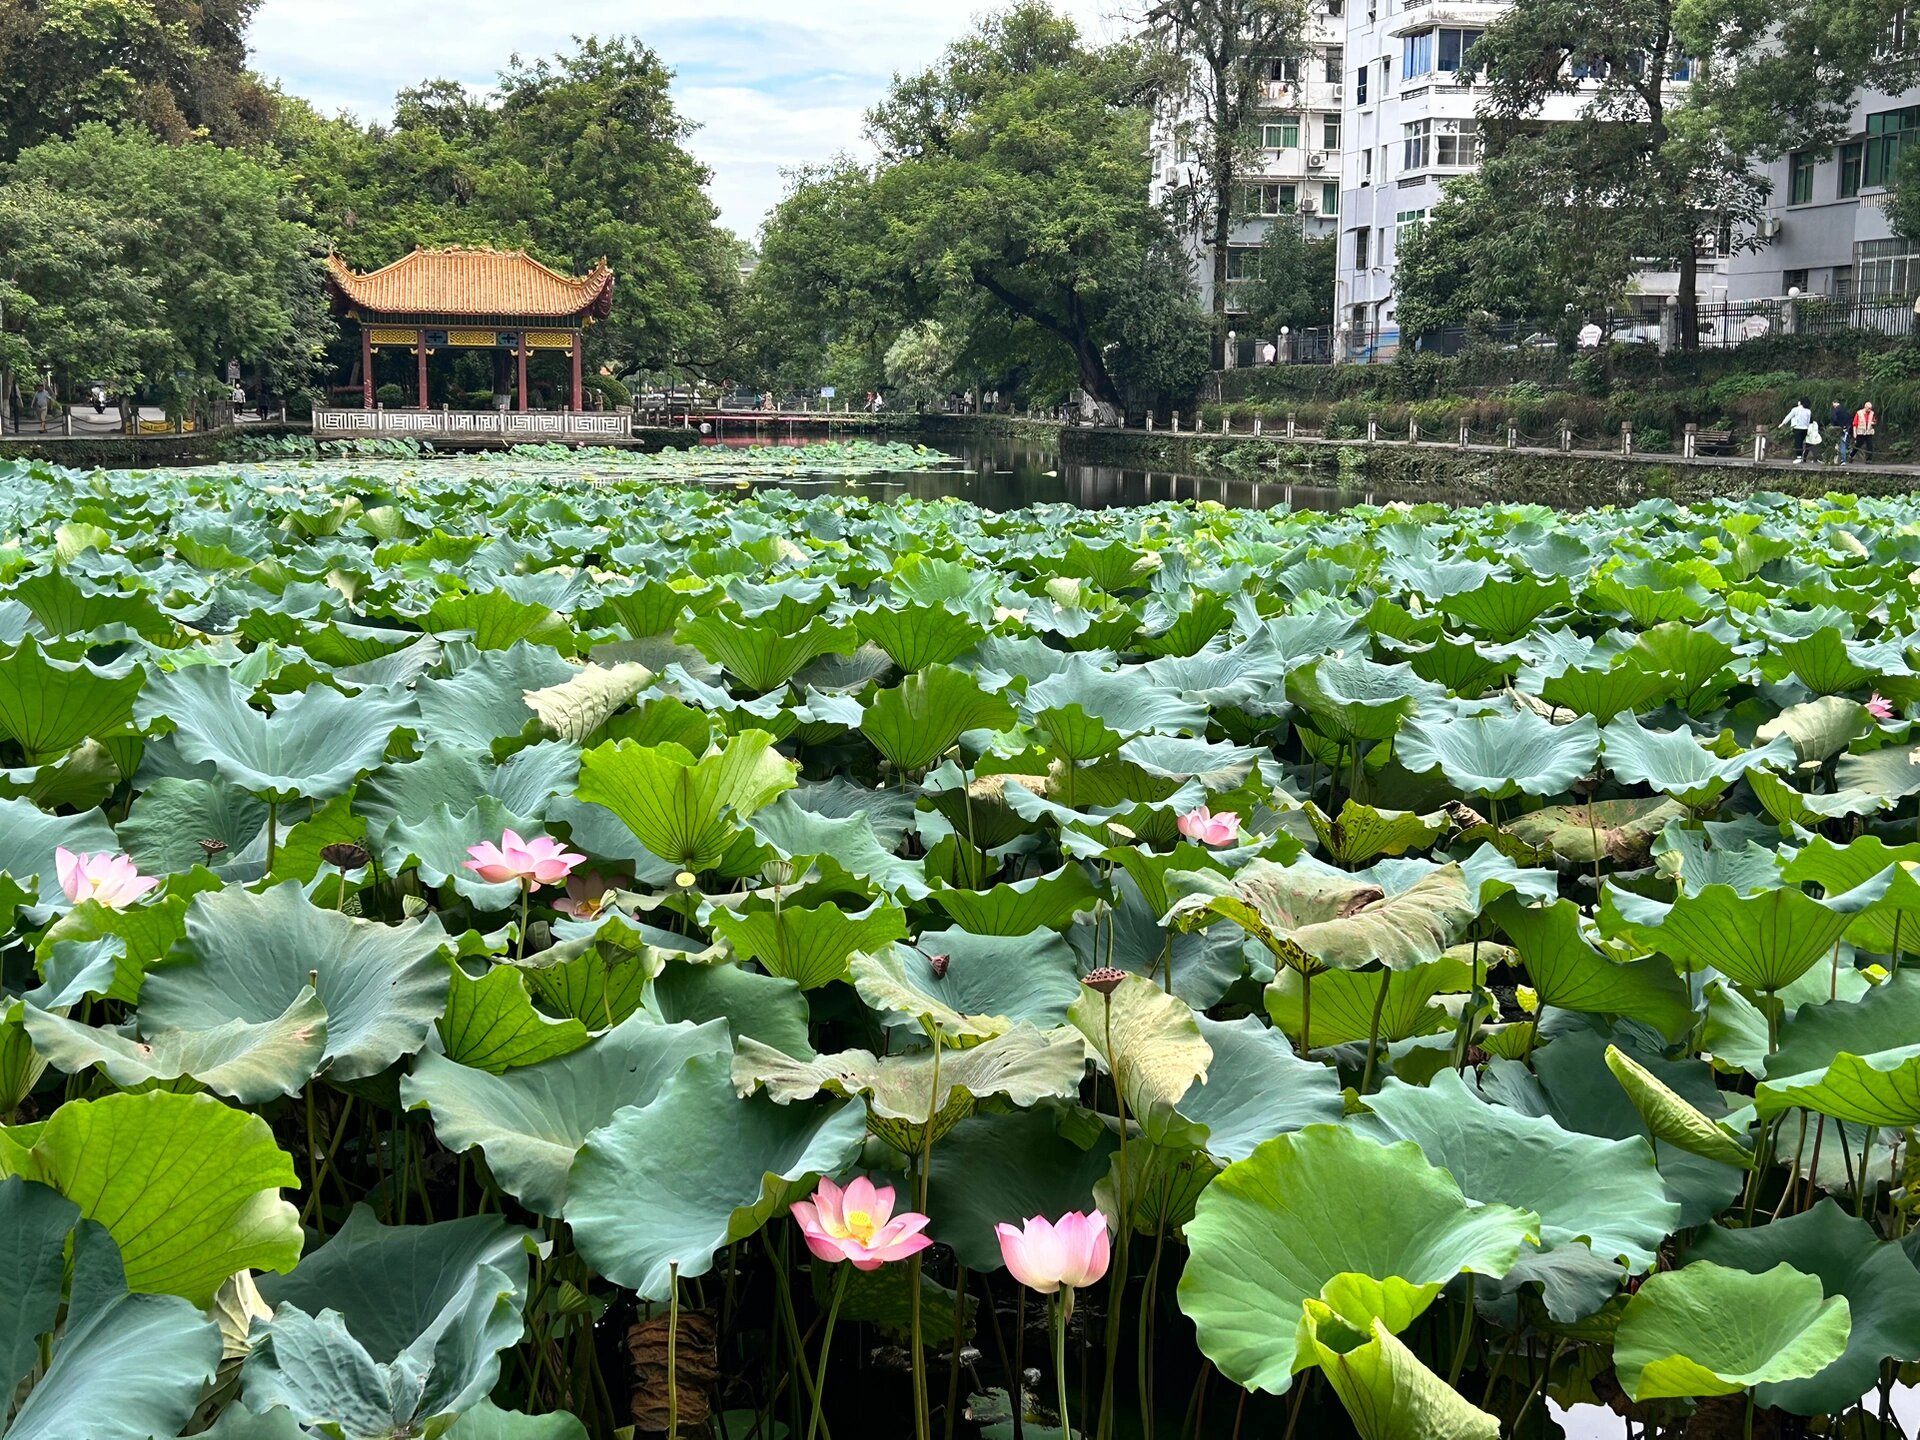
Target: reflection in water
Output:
[(1007, 473)]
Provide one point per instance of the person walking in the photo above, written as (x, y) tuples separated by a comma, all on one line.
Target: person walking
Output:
[(1797, 420), (42, 402), (1840, 422), (1863, 427)]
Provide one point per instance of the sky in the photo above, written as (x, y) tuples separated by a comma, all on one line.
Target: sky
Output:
[(772, 84)]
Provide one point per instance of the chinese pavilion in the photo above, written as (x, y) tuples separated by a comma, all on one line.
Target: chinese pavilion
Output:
[(469, 299)]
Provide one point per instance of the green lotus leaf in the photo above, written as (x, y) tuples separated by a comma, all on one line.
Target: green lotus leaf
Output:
[(1706, 1329), (755, 652), (496, 621), (138, 1164), (48, 707), (1123, 703), (490, 1022), (1604, 1193), (1314, 920), (21, 1066), (1819, 729), (650, 1194), (1884, 927), (247, 957), (1826, 662), (840, 845), (1467, 666), (1568, 973), (435, 843), (1361, 833), (1693, 658), (386, 1329), (1500, 756), (532, 1120), (986, 986), (688, 812), (905, 1092), (485, 1421), (1790, 806), (1504, 607), (1858, 1062), (1891, 773), (767, 1008), (1619, 831), (252, 1063), (1600, 692), (1020, 907), (808, 944), (1150, 1043), (123, 1366), (1353, 699), (918, 721), (1388, 1393), (601, 977), (1256, 1088), (139, 936), (484, 701), (1007, 1166), (917, 636), (1306, 1209), (1670, 1119), (1765, 940), (169, 819), (578, 706), (1678, 765), (313, 746), (1344, 1001)]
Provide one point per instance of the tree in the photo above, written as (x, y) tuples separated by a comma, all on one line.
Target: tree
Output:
[(176, 67), (1016, 168), (1681, 101), (919, 365), (231, 272), (1295, 284), (69, 302), (1219, 56), (1903, 204)]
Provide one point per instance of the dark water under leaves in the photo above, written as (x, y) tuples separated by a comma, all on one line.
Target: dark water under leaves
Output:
[(1004, 473)]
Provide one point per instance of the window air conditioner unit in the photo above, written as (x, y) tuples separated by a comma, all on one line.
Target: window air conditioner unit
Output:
[(1337, 93), (1769, 226), (1309, 207), (1316, 161)]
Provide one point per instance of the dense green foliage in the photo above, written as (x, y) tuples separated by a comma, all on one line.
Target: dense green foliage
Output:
[(1566, 846)]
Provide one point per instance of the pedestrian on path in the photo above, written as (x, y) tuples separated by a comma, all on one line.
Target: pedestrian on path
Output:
[(1797, 420), (1863, 427), (1840, 422), (42, 400)]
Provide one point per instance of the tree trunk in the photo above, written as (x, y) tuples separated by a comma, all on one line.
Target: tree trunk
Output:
[(1222, 177), (1688, 298)]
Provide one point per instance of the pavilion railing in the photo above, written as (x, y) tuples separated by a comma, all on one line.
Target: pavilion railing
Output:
[(510, 425)]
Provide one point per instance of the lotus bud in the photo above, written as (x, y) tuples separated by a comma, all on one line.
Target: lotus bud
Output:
[(938, 964)]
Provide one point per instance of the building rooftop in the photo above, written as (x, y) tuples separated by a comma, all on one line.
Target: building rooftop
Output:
[(475, 282)]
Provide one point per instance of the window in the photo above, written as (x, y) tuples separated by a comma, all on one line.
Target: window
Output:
[(1336, 60), (1270, 199), (1791, 280), (1286, 71), (1683, 67), (1362, 247), (1886, 269), (1454, 45), (1361, 327), (1800, 177), (1457, 144), (1386, 76), (1417, 144), (1336, 7), (1416, 54), (1329, 198), (1366, 166), (1851, 156), (1281, 134), (1330, 131), (1405, 224), (1360, 85), (1886, 133), (1243, 262)]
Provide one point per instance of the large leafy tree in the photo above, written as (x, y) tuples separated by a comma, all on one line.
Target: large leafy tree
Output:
[(1679, 102), (176, 67), (1295, 283), (574, 158), (1014, 174), (227, 270), (1217, 58)]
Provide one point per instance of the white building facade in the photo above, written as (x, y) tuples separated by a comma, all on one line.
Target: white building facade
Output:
[(1296, 167)]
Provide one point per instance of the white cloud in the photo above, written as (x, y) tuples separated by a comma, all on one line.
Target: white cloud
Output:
[(773, 84)]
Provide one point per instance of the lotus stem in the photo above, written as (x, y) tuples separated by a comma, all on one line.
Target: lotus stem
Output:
[(826, 1347), (1813, 1165), (1373, 1031), (1062, 1313), (313, 1159), (1306, 1014), (920, 1426), (673, 1368), (273, 813), (1460, 1346), (1123, 1202), (1018, 1380), (791, 1324), (1894, 967), (526, 898), (953, 1361), (1149, 1293)]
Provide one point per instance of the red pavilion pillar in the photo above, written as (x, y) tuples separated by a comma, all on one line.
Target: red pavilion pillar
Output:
[(421, 347), (521, 355), (578, 396), (366, 367)]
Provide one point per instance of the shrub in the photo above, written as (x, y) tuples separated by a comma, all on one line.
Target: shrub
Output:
[(390, 396)]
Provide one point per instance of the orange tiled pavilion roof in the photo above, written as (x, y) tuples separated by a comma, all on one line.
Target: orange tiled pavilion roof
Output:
[(463, 282)]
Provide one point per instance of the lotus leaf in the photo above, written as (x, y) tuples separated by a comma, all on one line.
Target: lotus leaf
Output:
[(1150, 1043), (1858, 1062), (809, 945), (986, 984), (1388, 1393), (1500, 756), (1706, 1329), (689, 812)]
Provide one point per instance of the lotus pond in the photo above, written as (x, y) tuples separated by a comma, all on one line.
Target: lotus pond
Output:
[(501, 958)]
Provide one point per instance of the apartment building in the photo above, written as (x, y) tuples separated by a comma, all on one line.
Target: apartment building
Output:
[(1825, 232), (1296, 166)]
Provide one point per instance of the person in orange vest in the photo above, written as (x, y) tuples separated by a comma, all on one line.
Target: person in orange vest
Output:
[(1863, 422)]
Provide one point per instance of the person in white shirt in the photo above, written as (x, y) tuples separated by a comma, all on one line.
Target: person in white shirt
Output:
[(1798, 419)]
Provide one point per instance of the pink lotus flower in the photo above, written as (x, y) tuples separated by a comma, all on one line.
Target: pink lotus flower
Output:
[(542, 860), (1072, 1251), (586, 895), (1880, 708), (1210, 829), (110, 879), (858, 1224)]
